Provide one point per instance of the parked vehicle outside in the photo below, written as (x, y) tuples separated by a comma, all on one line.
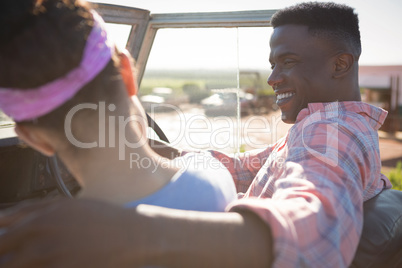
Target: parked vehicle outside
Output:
[(161, 99), (224, 103)]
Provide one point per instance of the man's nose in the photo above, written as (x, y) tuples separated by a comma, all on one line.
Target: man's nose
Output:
[(275, 78)]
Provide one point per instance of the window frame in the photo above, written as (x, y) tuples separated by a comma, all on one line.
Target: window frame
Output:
[(146, 25)]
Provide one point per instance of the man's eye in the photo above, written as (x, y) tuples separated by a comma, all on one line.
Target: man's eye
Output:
[(272, 66), (289, 62)]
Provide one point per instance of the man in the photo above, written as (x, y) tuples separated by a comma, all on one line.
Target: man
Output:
[(303, 195)]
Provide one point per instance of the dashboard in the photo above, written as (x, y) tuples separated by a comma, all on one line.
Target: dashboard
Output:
[(27, 174)]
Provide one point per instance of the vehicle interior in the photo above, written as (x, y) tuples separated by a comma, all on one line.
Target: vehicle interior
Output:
[(28, 175)]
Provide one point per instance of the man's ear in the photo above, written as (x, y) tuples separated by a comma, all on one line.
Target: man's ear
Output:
[(127, 72), (343, 64), (35, 139)]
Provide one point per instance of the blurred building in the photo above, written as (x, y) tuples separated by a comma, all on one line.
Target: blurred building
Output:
[(382, 86)]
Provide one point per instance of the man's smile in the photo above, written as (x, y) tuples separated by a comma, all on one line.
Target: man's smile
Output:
[(284, 97)]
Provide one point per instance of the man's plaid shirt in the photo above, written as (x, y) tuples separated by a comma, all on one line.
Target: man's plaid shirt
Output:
[(309, 186)]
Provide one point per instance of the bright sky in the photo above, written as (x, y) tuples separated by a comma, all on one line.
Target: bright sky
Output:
[(380, 21)]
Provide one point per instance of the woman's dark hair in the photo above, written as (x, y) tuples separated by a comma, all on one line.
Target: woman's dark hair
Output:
[(42, 40), (336, 22)]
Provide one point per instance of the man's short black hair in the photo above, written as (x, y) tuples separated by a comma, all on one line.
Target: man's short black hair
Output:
[(335, 21)]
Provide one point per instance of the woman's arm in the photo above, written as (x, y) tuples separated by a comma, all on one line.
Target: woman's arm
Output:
[(84, 233)]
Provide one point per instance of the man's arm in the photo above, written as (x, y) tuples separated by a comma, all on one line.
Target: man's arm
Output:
[(83, 233)]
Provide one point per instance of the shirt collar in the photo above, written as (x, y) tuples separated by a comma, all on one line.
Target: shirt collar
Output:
[(376, 114)]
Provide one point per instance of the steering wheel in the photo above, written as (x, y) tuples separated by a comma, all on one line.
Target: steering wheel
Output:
[(55, 169)]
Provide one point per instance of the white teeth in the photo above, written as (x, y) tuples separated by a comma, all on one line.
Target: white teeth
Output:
[(285, 95)]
